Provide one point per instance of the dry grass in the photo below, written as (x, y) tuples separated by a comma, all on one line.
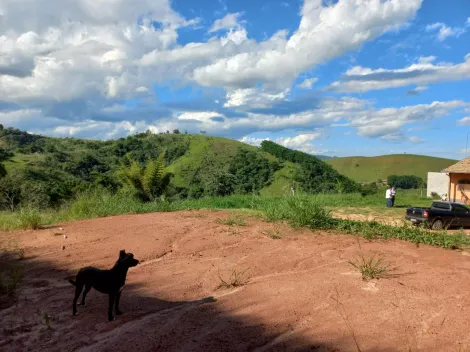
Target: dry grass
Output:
[(236, 279)]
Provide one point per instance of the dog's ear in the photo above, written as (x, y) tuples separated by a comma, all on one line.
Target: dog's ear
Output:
[(122, 253)]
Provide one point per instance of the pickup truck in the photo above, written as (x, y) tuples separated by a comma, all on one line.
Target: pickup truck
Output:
[(440, 215)]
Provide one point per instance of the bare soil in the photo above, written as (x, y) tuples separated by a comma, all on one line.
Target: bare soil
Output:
[(300, 294)]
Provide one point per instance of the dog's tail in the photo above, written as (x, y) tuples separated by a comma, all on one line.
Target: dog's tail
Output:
[(70, 279)]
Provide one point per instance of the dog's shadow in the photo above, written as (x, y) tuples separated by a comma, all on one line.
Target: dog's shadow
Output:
[(133, 301)]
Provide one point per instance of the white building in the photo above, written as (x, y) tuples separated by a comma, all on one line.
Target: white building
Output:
[(438, 182)]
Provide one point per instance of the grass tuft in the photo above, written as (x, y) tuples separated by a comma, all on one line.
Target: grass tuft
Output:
[(236, 279), (232, 220), (274, 233), (29, 219), (371, 267)]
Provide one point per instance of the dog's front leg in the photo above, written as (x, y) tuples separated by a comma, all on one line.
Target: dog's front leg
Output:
[(112, 297), (118, 297)]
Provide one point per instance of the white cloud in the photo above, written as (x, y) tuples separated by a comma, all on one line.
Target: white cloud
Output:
[(308, 83), (80, 50), (324, 33), (360, 79), (252, 97), (464, 121), (72, 62), (302, 142), (389, 121), (416, 139), (229, 21), (444, 32), (253, 140)]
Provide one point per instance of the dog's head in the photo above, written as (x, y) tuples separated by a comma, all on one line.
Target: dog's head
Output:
[(127, 259)]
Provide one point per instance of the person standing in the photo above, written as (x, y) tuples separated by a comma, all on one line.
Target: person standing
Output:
[(393, 192), (388, 196)]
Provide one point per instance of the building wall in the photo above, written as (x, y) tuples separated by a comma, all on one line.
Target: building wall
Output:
[(437, 182), (457, 181)]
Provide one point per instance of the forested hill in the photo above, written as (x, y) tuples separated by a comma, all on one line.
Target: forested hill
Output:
[(43, 171)]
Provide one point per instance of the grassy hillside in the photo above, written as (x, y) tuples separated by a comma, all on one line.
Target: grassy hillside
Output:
[(367, 169), (44, 172)]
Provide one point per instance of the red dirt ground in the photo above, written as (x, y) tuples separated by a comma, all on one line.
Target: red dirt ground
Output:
[(301, 293)]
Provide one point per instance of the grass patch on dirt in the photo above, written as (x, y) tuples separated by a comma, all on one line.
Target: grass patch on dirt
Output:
[(232, 220), (274, 233), (372, 267), (237, 278)]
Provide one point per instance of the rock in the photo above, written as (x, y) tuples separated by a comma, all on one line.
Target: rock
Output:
[(63, 247)]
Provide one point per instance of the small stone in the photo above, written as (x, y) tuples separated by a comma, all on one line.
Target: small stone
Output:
[(63, 247), (65, 236), (61, 229)]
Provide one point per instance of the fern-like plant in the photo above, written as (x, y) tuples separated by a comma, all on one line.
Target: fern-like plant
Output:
[(149, 182), (155, 179)]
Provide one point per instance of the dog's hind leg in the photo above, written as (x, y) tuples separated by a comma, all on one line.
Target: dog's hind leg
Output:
[(87, 289), (116, 306), (78, 290), (112, 297)]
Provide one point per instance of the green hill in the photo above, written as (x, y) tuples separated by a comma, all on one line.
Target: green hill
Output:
[(44, 171), (368, 169)]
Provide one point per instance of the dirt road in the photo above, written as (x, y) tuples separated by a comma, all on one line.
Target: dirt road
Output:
[(301, 293)]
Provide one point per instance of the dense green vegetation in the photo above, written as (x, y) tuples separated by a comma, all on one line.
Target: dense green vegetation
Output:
[(42, 172), (406, 181), (370, 169), (313, 175)]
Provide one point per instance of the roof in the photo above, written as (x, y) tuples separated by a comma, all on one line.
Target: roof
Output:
[(462, 167)]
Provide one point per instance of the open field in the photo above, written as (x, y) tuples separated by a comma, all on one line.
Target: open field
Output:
[(299, 292), (369, 169)]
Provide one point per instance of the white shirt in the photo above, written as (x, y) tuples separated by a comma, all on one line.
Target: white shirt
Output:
[(388, 194)]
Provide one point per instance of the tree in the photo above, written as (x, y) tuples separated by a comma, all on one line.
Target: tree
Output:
[(10, 192), (176, 131), (222, 184), (405, 181), (312, 174)]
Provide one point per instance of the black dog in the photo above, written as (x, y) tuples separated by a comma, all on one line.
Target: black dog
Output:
[(110, 282)]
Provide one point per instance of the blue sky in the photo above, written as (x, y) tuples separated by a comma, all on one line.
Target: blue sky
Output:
[(334, 77)]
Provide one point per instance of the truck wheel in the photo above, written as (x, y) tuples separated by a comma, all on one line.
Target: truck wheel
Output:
[(437, 225)]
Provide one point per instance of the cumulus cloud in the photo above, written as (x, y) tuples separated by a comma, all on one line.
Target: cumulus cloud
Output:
[(443, 32), (464, 121), (302, 142), (70, 68), (389, 121), (253, 98), (308, 83), (323, 33), (423, 72), (229, 21)]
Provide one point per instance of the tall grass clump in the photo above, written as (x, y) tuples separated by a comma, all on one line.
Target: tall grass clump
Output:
[(29, 219), (299, 211)]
